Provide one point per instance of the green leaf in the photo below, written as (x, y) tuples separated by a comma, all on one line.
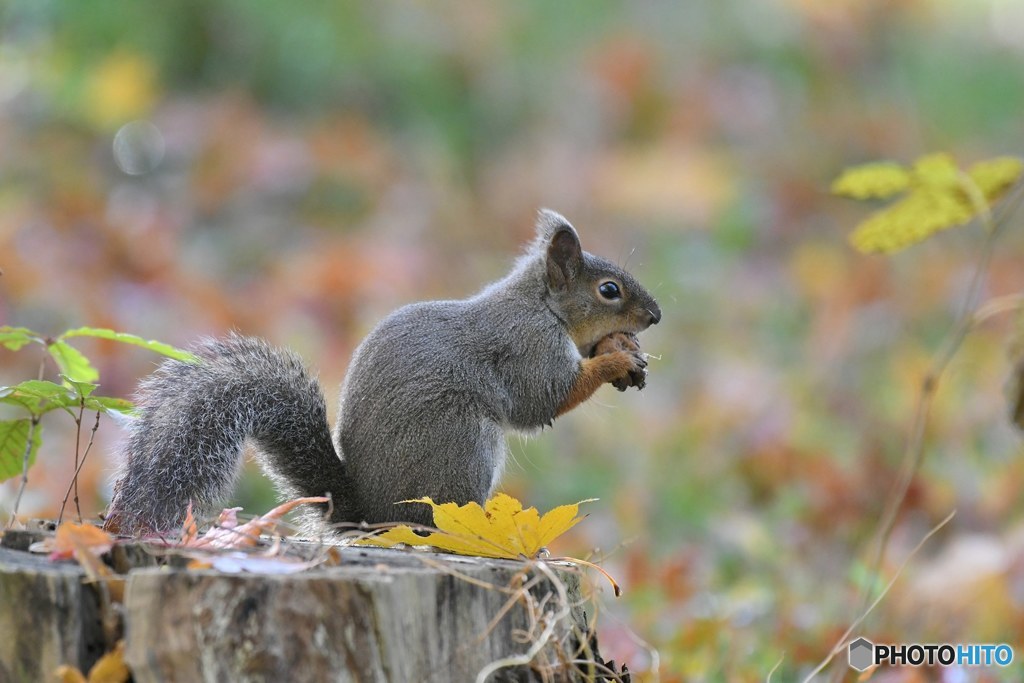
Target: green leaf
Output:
[(38, 396), (108, 404), (82, 389), (125, 338), (72, 363), (877, 180), (41, 388), (16, 337), (30, 403), (14, 435)]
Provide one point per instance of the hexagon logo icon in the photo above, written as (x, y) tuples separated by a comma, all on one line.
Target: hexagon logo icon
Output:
[(862, 654)]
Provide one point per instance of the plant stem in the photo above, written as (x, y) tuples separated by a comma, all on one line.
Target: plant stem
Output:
[(78, 442), (965, 322), (28, 453), (74, 480), (914, 452), (78, 468), (24, 469), (838, 647)]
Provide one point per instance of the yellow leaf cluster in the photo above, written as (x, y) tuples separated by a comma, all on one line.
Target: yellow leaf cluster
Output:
[(501, 528), (872, 181), (938, 196)]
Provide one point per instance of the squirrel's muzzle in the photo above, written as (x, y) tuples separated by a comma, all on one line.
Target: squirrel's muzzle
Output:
[(655, 314)]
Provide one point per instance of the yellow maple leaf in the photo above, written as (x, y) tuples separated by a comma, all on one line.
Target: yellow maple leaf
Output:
[(938, 196), (501, 528)]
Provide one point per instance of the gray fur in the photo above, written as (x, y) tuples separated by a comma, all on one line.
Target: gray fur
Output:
[(428, 397), (186, 444)]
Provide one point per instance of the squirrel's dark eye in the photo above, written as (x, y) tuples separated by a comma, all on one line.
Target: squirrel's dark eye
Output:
[(609, 290)]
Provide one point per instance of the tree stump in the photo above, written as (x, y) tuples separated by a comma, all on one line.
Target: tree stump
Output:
[(46, 614), (379, 615)]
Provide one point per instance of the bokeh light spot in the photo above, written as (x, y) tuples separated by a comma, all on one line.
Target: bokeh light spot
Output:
[(138, 147)]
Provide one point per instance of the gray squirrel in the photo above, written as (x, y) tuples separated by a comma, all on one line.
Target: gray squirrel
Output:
[(424, 407)]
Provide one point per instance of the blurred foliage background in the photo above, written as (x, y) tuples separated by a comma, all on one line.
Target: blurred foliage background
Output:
[(298, 170)]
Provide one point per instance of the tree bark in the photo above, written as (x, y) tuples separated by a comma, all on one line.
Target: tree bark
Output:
[(380, 615), (47, 617)]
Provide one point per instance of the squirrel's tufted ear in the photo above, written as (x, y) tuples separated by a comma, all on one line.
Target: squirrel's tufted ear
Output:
[(564, 253), (548, 223)]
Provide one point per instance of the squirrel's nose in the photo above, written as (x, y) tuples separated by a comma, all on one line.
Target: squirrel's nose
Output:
[(655, 313)]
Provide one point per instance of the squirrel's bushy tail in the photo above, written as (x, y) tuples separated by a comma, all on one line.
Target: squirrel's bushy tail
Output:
[(185, 446)]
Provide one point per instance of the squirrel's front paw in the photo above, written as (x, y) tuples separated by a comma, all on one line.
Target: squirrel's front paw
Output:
[(635, 367)]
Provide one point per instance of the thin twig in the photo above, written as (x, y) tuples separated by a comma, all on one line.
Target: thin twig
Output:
[(965, 322), (24, 468), (28, 452), (440, 566), (523, 590), (652, 653), (78, 445), (551, 621), (596, 668), (968, 317), (997, 306), (838, 647), (78, 469), (605, 574), (771, 672)]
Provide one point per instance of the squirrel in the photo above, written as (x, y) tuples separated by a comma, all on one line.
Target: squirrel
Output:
[(425, 404)]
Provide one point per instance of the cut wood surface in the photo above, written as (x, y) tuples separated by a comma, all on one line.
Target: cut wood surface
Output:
[(379, 615)]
